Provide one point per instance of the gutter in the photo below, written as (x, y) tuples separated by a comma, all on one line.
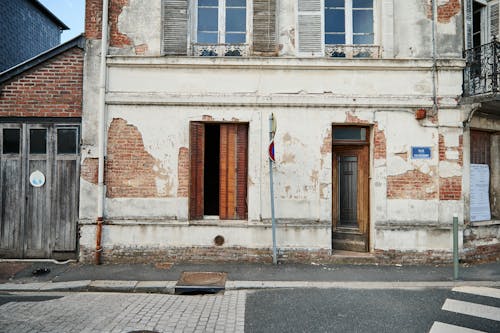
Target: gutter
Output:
[(101, 132), (434, 58)]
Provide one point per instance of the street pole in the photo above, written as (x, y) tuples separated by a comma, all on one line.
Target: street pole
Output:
[(271, 136), (455, 247)]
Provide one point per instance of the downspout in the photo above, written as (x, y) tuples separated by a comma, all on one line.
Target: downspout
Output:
[(101, 134), (434, 58)]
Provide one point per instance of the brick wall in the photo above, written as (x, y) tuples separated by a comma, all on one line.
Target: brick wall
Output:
[(51, 89), (26, 32), (206, 254), (93, 23), (445, 11), (130, 170), (412, 184)]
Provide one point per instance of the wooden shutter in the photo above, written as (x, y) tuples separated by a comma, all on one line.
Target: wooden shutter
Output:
[(310, 32), (264, 27), (175, 27), (480, 147), (493, 10), (468, 24), (196, 168), (233, 171)]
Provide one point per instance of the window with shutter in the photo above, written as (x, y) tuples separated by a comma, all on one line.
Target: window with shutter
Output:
[(220, 28), (219, 168), (337, 28)]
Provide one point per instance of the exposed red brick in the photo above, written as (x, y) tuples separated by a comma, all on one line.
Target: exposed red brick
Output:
[(51, 89), (353, 119), (117, 39), (130, 169), (93, 19), (450, 188), (412, 184), (443, 149), (183, 172), (380, 145), (93, 23), (141, 49), (445, 11), (326, 147), (89, 170)]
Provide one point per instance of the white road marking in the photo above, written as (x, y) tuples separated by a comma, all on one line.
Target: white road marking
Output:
[(439, 327), (481, 291), (472, 309)]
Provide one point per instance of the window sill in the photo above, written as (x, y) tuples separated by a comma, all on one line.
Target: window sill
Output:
[(352, 51), (220, 50), (484, 223)]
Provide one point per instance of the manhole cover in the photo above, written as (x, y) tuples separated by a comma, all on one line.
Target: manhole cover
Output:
[(200, 282)]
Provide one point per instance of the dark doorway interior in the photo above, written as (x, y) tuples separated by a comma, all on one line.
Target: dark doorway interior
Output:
[(211, 172)]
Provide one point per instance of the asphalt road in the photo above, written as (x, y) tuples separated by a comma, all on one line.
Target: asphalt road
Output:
[(344, 310), (268, 310)]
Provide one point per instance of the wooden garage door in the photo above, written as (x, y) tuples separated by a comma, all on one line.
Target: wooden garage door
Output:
[(39, 178)]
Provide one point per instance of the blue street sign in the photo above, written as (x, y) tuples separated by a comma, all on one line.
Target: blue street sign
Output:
[(420, 152)]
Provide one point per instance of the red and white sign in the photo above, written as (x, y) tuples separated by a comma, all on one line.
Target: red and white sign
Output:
[(271, 150)]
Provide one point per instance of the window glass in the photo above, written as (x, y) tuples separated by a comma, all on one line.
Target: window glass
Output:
[(236, 3), (349, 133), (334, 20), (38, 141), (208, 2), (67, 141), (362, 39), (11, 140), (235, 19), (232, 25), (349, 22), (334, 3), (362, 21), (335, 38), (362, 3)]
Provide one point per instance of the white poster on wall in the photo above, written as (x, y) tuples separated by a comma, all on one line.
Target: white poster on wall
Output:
[(479, 192)]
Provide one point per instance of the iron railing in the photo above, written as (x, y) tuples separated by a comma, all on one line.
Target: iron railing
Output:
[(481, 73)]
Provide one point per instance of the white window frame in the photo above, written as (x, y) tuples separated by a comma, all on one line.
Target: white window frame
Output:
[(221, 33), (348, 21)]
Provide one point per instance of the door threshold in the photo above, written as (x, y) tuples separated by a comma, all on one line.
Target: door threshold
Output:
[(351, 254)]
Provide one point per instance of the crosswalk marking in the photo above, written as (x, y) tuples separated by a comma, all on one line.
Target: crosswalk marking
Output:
[(481, 291), (472, 309), (439, 327)]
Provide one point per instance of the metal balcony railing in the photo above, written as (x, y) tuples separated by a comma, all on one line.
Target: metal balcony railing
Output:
[(481, 73)]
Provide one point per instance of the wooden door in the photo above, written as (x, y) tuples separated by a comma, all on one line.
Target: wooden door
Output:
[(39, 197), (351, 198)]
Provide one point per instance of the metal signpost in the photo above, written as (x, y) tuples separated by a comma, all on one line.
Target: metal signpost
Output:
[(272, 131)]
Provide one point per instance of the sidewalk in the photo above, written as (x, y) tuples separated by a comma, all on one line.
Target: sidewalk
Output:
[(18, 276)]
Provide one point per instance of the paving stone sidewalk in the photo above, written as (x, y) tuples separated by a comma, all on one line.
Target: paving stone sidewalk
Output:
[(110, 312)]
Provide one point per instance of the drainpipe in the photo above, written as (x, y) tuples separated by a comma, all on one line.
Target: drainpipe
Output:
[(434, 58), (101, 131)]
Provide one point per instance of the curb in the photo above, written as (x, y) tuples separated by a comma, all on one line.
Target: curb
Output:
[(168, 287)]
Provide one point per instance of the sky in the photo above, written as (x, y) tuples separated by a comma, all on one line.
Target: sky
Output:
[(70, 12)]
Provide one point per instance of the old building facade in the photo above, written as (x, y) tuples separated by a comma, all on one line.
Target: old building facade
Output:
[(372, 140), (40, 117)]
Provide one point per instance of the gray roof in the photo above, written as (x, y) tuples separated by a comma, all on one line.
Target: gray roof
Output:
[(49, 14), (78, 41)]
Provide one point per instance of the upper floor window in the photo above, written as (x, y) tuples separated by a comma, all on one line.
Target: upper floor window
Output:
[(219, 27), (348, 22), (221, 21), (337, 28)]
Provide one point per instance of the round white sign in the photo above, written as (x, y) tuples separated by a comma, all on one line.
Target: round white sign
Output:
[(37, 179)]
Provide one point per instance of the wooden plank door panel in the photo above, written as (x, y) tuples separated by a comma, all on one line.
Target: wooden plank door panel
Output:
[(11, 191), (196, 167), (227, 171)]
